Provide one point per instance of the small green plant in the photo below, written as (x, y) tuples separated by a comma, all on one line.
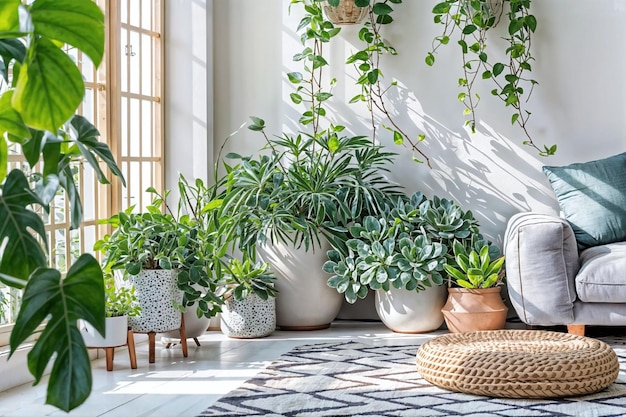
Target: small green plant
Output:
[(244, 278), (119, 300), (475, 269)]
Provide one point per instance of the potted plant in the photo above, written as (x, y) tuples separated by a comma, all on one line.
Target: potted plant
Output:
[(249, 299), (287, 203), (346, 12), (157, 254), (197, 210), (401, 255), (120, 303), (474, 301)]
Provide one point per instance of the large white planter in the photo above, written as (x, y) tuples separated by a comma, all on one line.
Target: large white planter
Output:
[(249, 318), (157, 293), (304, 301), (116, 331), (406, 311)]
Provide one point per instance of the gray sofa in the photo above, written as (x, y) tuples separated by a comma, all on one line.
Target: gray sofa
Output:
[(551, 283)]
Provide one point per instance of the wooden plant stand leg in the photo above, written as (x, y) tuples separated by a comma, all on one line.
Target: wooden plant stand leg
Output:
[(110, 353), (151, 346), (577, 329), (130, 341), (195, 339), (183, 336)]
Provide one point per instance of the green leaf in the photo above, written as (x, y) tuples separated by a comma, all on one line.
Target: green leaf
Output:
[(469, 29), (381, 9), (295, 77), (514, 118), (333, 144), (295, 98), (49, 87), (441, 8), (10, 49), (22, 253), (62, 301), (10, 120), (90, 147), (333, 3), (10, 26), (497, 69), (257, 124), (531, 22), (398, 139), (430, 59), (79, 23)]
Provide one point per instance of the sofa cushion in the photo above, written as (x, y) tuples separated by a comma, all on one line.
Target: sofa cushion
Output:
[(602, 274), (592, 196)]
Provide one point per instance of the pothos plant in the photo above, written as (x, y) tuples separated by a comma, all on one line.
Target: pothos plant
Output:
[(316, 30), (470, 21), (40, 91)]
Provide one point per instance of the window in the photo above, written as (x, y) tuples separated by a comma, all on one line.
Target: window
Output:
[(123, 100)]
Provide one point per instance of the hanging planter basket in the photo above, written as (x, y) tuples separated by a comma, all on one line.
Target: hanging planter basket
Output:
[(347, 13)]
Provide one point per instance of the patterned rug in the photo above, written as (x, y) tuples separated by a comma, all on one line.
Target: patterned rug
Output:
[(354, 379)]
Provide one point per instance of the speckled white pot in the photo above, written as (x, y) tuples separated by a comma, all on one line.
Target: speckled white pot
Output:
[(157, 292), (252, 317)]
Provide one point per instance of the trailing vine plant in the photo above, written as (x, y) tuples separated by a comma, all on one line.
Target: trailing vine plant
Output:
[(370, 77), (315, 30), (473, 19)]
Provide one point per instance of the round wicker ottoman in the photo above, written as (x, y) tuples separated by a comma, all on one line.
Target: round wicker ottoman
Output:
[(518, 363)]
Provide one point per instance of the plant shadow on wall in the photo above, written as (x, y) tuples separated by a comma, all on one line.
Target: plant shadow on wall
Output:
[(41, 89)]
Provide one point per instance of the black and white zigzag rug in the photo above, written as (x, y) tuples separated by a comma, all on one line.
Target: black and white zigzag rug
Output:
[(354, 379)]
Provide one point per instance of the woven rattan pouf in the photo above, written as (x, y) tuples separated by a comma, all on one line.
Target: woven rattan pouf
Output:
[(518, 363)]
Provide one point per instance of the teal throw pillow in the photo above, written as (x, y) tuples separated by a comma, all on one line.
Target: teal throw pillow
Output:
[(592, 197)]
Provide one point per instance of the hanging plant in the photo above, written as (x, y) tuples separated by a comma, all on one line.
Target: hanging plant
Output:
[(370, 78), (472, 19)]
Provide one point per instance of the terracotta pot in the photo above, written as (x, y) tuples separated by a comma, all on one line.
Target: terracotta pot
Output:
[(347, 13), (468, 310), (405, 311), (304, 300)]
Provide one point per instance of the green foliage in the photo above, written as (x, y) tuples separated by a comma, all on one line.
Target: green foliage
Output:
[(244, 278), (406, 246), (40, 91), (62, 302), (306, 186), (156, 240), (475, 269), (119, 300), (472, 20)]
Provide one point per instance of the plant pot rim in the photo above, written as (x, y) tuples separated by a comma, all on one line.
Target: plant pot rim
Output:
[(474, 290)]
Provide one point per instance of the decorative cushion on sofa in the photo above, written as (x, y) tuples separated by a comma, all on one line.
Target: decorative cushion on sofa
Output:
[(602, 274), (592, 196)]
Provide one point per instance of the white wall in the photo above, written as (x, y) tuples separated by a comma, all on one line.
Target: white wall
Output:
[(188, 92), (580, 104)]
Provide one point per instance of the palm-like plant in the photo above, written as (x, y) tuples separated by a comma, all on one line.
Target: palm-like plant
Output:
[(307, 187)]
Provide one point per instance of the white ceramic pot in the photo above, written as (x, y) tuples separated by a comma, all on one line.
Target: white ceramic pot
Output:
[(406, 311), (249, 318), (304, 300), (157, 293), (116, 331)]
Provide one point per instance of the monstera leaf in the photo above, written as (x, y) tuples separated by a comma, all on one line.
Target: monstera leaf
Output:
[(22, 253), (62, 302)]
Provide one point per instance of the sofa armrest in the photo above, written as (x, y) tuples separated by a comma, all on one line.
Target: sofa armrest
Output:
[(541, 266)]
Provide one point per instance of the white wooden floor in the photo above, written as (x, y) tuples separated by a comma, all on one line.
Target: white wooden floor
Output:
[(178, 386)]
